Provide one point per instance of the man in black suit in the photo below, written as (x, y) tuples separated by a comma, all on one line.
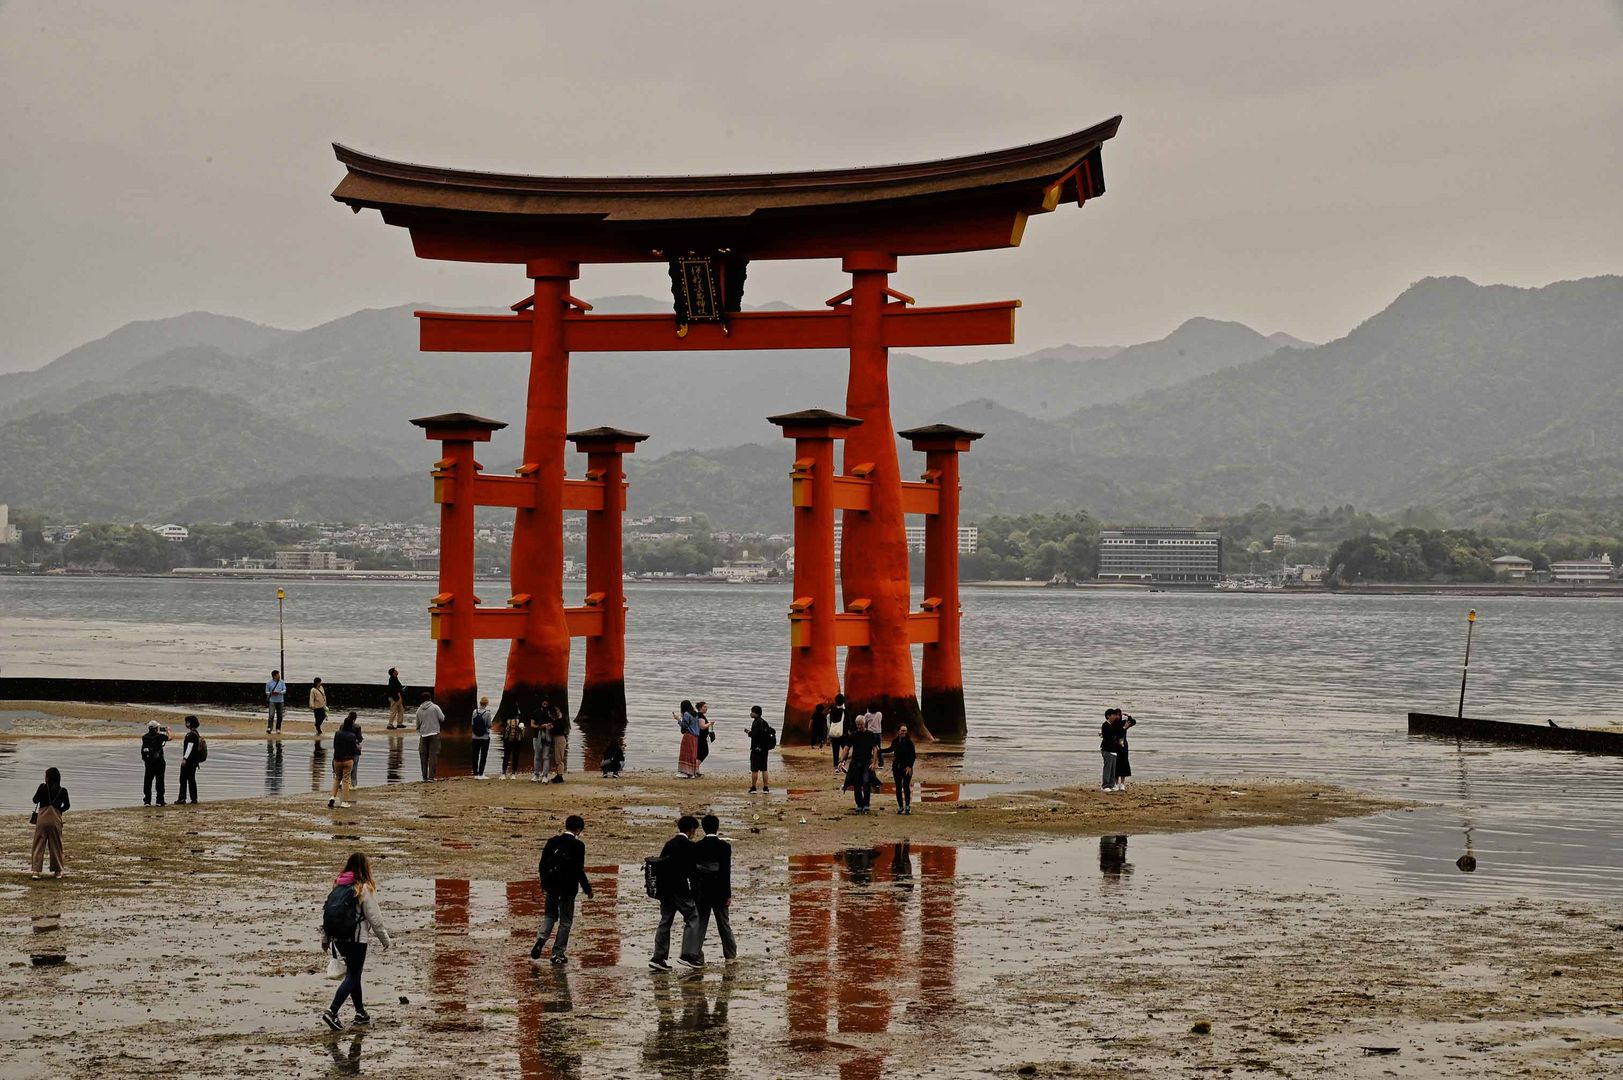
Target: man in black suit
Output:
[(563, 874), (713, 886), (675, 887)]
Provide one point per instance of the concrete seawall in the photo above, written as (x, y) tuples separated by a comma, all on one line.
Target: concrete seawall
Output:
[(341, 696)]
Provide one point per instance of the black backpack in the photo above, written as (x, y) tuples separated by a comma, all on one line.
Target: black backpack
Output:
[(553, 866), (200, 752), (770, 737), (341, 914), (650, 875)]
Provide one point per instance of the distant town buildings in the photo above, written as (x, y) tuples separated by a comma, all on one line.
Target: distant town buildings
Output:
[(969, 539), (1160, 554), (1284, 541), (1513, 567), (175, 534), (8, 534), (1592, 569), (309, 559), (743, 569)]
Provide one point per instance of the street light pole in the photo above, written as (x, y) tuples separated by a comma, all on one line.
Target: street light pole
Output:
[(281, 635), (1470, 624)]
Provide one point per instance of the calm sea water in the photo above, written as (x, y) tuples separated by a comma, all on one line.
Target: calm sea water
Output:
[(1223, 684)]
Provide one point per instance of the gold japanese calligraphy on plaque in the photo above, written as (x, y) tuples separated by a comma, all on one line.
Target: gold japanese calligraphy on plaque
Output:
[(705, 287)]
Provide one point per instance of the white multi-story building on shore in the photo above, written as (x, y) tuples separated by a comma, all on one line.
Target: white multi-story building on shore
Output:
[(1574, 571)]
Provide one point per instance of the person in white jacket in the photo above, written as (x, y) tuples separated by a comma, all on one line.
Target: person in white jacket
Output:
[(349, 924)]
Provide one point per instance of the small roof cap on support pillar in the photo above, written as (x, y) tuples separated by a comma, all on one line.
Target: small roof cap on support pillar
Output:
[(941, 437), (814, 424), (459, 425), (606, 440)]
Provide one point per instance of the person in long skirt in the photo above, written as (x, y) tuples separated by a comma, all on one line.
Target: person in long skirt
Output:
[(50, 803), (687, 757)]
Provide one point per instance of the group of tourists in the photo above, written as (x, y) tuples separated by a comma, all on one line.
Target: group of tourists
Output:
[(544, 728), (194, 750), (862, 754), (698, 732), (690, 877)]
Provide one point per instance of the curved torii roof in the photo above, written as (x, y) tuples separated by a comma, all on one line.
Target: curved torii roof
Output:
[(953, 204)]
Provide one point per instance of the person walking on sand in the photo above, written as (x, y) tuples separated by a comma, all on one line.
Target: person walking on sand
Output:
[(318, 704), (713, 887), (902, 756), (763, 739), (836, 729), (275, 701), (346, 747), (395, 695), (512, 745), (1109, 740), (152, 756), (819, 726), (1124, 764), (541, 739), (479, 735), (50, 803), (563, 874), (675, 888), (193, 752), (350, 920), (429, 720), (687, 756), (859, 752), (560, 746)]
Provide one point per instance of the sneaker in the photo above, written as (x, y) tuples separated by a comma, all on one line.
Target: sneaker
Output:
[(688, 965), (658, 965), (331, 803), (362, 1019), (752, 791), (346, 805), (534, 779), (535, 953), (330, 1018), (559, 961), (557, 780), (766, 791)]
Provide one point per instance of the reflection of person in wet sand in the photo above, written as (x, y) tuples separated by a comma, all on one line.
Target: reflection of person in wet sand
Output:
[(692, 1042), (1113, 857)]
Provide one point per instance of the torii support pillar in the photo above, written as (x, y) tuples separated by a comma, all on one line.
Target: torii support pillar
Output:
[(941, 698), (603, 698), (538, 661), (456, 683), (873, 542), (814, 673)]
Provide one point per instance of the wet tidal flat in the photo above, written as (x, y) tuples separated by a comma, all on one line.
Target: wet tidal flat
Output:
[(1059, 932)]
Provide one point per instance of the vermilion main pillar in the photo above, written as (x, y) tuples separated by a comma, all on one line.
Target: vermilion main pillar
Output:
[(814, 672), (603, 698), (941, 697), (456, 683), (538, 662), (873, 542)]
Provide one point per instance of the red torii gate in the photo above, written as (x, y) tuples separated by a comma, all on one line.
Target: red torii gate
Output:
[(707, 229)]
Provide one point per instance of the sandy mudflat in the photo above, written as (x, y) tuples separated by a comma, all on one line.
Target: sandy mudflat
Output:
[(969, 938)]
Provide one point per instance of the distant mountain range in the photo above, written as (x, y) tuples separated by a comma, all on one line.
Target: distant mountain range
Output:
[(1474, 400)]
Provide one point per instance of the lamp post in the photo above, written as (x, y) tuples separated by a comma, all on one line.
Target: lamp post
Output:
[(281, 636), (1470, 624)]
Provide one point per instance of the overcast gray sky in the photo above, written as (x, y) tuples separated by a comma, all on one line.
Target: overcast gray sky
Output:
[(1291, 165)]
